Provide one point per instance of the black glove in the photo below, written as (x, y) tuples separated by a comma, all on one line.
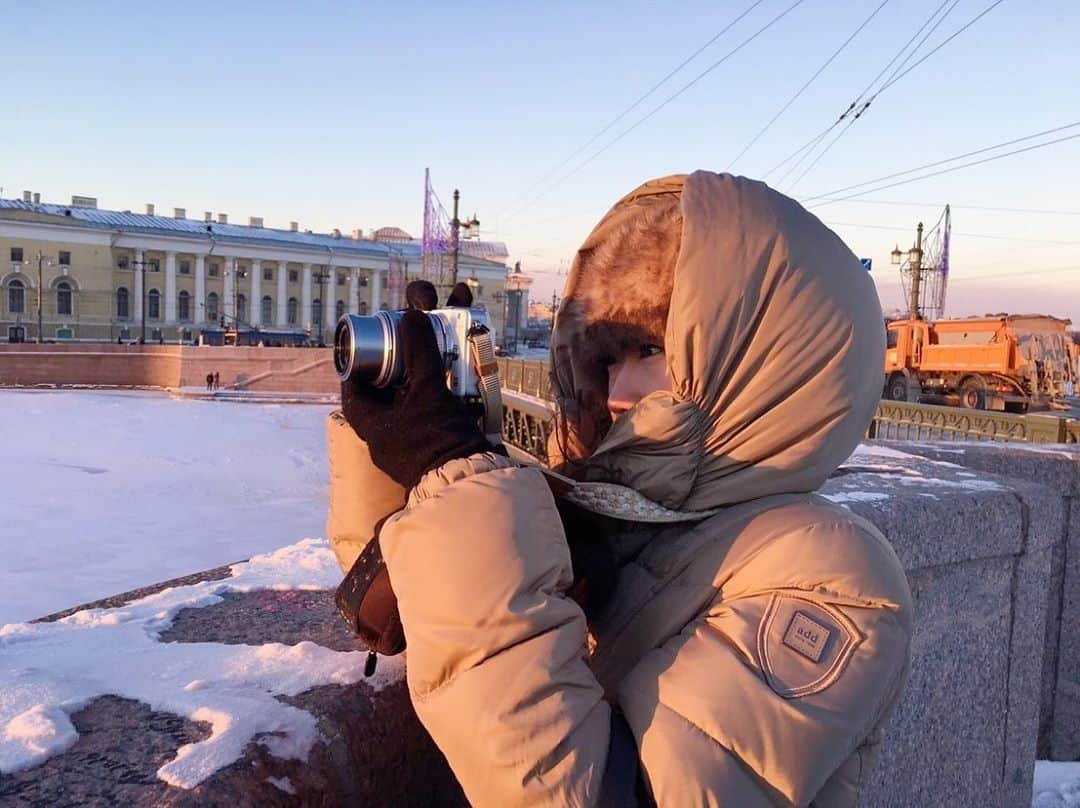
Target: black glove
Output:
[(420, 425)]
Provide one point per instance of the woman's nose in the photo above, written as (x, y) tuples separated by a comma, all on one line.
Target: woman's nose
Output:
[(621, 391)]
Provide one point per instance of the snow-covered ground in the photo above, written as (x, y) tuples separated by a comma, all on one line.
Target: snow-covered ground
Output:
[(109, 491)]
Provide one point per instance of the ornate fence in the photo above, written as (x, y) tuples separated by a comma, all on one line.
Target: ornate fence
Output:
[(528, 401)]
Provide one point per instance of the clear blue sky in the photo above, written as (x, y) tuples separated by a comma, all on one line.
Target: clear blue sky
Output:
[(329, 114)]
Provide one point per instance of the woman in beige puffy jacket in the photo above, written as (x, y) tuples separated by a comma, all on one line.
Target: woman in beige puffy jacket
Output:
[(716, 356)]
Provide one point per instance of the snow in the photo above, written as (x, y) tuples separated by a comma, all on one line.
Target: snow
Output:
[(844, 497), (51, 670), (1057, 785), (109, 491)]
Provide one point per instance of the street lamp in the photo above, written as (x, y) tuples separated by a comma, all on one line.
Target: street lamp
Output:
[(142, 265), (455, 234), (41, 260), (896, 255), (321, 276)]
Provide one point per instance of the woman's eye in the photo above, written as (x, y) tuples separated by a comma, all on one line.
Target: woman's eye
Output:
[(649, 349)]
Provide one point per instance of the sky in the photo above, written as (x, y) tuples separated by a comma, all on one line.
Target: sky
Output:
[(329, 113)]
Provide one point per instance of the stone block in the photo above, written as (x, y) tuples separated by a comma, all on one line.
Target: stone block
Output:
[(1056, 467)]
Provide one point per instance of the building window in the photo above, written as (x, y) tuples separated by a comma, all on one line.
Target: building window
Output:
[(340, 280), (292, 311), (316, 310), (125, 334), (384, 307), (122, 262), (212, 306), (16, 255), (16, 297), (268, 273), (63, 298), (363, 307), (363, 280), (156, 335), (153, 308), (185, 267), (294, 276), (339, 309), (215, 270), (64, 333), (267, 310), (154, 264), (122, 311), (383, 282), (241, 309), (184, 306), (65, 258)]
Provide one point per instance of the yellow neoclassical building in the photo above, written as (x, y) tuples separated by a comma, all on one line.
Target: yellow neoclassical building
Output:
[(104, 275)]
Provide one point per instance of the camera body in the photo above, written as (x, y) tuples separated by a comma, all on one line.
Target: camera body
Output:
[(369, 348)]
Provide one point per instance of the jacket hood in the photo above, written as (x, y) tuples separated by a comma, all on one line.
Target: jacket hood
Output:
[(772, 332)]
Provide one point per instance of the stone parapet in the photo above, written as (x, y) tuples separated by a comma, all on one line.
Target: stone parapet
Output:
[(291, 370), (978, 549), (1057, 467)]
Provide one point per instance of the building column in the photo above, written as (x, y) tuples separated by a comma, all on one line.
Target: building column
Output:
[(170, 287), (305, 300), (330, 304), (229, 303), (354, 291), (138, 268), (200, 289), (376, 290), (255, 304), (282, 295)]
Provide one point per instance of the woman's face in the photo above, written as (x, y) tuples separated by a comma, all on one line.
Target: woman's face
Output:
[(634, 375)]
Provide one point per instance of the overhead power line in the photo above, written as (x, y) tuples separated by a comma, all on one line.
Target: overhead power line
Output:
[(891, 79), (663, 104), (820, 199), (944, 42), (810, 144), (636, 103), (958, 206), (809, 81), (907, 228)]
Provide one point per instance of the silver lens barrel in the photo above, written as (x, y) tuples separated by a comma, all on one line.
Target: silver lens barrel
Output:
[(368, 348)]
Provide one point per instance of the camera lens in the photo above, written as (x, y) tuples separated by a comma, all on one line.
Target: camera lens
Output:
[(367, 348)]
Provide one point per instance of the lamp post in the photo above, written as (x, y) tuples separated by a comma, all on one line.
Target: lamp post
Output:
[(42, 260), (321, 275), (142, 301), (915, 256), (455, 236)]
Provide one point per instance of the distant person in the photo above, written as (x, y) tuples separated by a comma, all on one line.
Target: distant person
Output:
[(685, 621), (209, 381), (120, 340), (217, 380), (421, 295), (460, 296)]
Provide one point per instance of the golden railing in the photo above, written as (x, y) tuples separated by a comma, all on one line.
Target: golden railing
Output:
[(528, 402)]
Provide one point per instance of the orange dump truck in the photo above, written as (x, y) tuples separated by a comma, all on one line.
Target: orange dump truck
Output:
[(1005, 362)]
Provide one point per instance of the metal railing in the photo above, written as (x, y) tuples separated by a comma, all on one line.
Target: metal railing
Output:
[(528, 412)]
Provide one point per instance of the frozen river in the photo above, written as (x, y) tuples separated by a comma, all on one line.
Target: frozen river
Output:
[(109, 491)]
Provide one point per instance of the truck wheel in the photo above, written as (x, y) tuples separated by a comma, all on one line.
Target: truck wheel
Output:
[(973, 394), (897, 388)]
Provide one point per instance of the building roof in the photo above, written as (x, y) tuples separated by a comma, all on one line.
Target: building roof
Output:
[(237, 233)]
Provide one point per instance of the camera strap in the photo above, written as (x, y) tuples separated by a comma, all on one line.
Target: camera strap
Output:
[(487, 370)]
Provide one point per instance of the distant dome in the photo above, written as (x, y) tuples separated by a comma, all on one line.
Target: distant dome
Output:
[(391, 234)]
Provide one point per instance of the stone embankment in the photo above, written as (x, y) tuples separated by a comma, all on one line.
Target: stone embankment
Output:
[(989, 537)]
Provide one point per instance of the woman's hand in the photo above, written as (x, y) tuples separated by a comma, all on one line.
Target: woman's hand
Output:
[(420, 425)]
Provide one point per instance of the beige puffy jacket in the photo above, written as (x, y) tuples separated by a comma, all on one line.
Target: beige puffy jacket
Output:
[(757, 644)]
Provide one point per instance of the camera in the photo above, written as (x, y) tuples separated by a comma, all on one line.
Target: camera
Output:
[(368, 348)]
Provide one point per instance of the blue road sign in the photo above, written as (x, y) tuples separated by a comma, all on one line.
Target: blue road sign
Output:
[(867, 263)]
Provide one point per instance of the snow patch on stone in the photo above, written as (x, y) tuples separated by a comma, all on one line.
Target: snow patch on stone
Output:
[(845, 497), (1057, 785), (53, 669), (282, 784)]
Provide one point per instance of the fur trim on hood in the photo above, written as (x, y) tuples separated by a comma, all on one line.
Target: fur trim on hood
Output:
[(772, 331)]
